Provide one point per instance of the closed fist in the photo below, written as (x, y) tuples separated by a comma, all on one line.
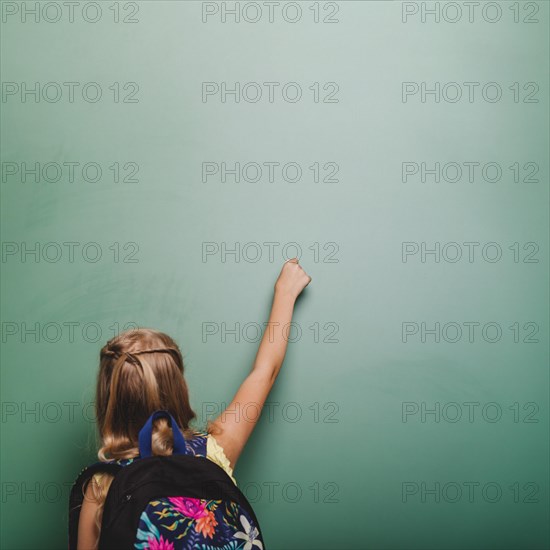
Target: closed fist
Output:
[(292, 279)]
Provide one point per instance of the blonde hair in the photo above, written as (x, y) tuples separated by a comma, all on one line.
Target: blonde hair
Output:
[(140, 371)]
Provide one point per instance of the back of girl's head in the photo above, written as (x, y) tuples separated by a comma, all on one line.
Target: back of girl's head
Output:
[(140, 371)]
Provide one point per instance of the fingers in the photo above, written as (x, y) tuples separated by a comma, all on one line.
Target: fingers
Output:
[(296, 261)]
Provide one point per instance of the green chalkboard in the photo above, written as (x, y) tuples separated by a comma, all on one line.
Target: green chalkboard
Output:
[(161, 160)]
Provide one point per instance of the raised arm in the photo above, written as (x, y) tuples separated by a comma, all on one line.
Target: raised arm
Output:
[(232, 429)]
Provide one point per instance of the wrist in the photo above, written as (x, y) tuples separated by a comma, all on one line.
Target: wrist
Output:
[(284, 294)]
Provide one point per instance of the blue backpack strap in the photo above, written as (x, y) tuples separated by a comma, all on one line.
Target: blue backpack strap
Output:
[(146, 433), (76, 497)]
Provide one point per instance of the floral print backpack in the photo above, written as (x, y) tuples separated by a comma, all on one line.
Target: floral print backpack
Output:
[(179, 502)]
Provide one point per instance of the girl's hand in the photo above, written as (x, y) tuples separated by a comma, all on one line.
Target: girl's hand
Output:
[(292, 279)]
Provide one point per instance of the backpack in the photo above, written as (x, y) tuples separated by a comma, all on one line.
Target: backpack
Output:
[(179, 502)]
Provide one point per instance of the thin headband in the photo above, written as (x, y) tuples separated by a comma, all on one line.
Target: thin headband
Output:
[(130, 354)]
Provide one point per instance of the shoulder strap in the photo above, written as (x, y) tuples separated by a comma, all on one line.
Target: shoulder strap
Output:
[(77, 495)]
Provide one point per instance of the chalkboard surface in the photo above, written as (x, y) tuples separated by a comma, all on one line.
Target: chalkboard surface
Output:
[(161, 160)]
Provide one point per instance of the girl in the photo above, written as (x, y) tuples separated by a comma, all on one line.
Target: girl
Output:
[(141, 371)]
